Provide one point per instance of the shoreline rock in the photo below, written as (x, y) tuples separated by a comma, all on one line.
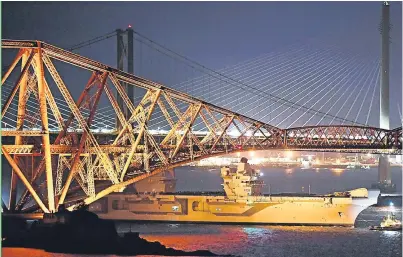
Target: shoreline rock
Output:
[(82, 232)]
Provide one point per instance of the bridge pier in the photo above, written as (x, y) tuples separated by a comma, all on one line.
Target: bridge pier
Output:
[(384, 170), (384, 177)]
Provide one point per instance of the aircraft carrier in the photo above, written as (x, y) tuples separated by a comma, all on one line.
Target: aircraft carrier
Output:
[(241, 202)]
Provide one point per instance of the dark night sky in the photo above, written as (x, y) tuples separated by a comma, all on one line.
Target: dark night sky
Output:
[(216, 34)]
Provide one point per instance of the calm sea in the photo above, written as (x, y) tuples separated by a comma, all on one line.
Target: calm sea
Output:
[(276, 241)]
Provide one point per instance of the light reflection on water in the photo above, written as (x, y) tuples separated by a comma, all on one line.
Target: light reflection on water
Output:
[(280, 241), (265, 240)]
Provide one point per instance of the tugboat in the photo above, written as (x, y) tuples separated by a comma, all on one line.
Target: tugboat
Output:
[(389, 223)]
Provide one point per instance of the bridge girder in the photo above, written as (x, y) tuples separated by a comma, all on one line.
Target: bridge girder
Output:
[(135, 153)]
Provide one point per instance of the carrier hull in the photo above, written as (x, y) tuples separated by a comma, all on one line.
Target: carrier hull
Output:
[(242, 201), (279, 210)]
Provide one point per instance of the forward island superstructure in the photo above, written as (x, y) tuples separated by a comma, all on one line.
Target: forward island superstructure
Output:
[(242, 202)]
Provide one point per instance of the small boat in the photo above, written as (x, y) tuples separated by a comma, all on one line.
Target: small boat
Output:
[(365, 167), (389, 223)]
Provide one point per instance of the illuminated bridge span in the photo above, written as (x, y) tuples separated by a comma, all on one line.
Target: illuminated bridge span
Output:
[(41, 138)]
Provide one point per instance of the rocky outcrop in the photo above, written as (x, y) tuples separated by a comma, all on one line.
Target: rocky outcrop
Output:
[(82, 232)]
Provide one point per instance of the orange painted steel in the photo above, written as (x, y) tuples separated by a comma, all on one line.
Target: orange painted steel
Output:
[(88, 160)]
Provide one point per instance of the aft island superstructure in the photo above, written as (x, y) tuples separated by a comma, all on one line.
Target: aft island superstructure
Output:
[(243, 202)]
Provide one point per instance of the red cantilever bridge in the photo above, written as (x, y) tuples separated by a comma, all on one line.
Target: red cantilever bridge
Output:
[(76, 158)]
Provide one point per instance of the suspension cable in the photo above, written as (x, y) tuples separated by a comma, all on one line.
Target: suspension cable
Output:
[(366, 93), (373, 96), (355, 68), (92, 41), (340, 75), (358, 94), (237, 83)]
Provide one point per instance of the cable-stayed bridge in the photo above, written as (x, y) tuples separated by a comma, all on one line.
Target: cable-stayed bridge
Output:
[(101, 140)]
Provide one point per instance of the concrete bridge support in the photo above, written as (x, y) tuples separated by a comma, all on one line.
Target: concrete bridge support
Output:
[(384, 178), (384, 170)]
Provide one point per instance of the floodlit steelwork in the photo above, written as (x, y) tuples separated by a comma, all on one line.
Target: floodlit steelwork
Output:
[(94, 165), (343, 137)]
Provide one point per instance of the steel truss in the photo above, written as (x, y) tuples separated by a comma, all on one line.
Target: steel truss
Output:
[(99, 167)]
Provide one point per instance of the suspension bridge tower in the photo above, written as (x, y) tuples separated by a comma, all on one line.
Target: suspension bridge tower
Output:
[(125, 62), (384, 176)]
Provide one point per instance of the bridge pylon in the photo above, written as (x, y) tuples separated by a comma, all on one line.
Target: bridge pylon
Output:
[(384, 176), (125, 62)]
